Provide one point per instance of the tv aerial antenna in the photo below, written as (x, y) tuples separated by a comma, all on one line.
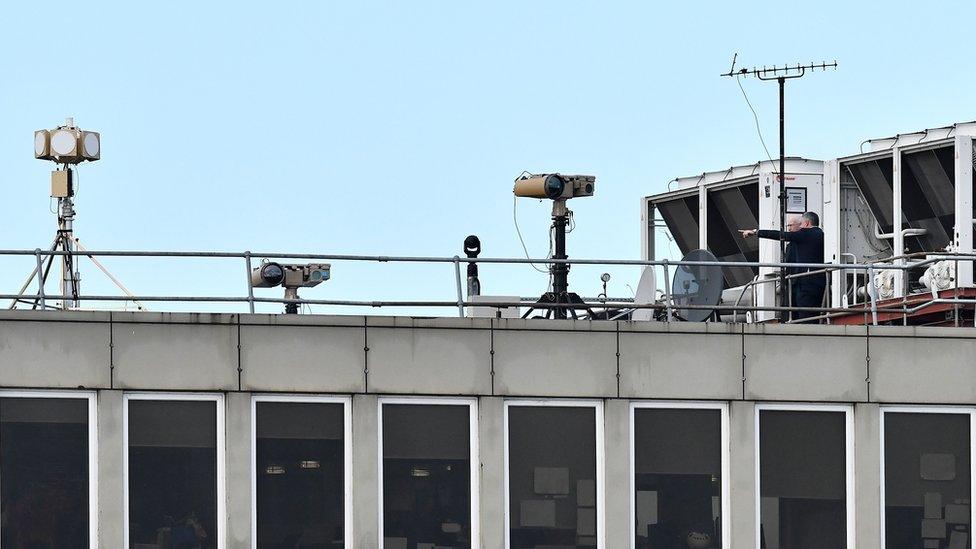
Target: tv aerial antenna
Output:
[(780, 75), (67, 146)]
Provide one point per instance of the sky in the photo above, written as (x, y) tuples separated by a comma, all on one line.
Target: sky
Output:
[(397, 128)]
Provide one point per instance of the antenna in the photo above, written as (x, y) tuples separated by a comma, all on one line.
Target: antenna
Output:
[(780, 75), (66, 145)]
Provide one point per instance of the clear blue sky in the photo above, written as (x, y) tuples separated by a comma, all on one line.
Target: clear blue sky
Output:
[(397, 128)]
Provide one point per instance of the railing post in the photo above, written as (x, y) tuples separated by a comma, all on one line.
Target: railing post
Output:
[(460, 296), (40, 277), (955, 282), (250, 288), (873, 294), (667, 290)]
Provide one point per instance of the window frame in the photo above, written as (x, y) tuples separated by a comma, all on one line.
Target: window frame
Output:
[(597, 405), (92, 398), (723, 409), (473, 449), (848, 411), (927, 409), (218, 400), (347, 503)]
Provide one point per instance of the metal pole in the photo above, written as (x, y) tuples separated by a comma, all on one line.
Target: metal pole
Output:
[(457, 276), (560, 271), (106, 272), (250, 288), (872, 292), (782, 186), (667, 291), (40, 277), (35, 272)]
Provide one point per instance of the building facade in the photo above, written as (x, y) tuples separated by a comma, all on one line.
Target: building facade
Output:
[(148, 430)]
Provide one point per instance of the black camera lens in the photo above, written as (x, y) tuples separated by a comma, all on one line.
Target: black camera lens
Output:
[(272, 273), (554, 186)]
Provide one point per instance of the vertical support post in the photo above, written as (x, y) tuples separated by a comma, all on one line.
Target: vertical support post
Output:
[(782, 187), (702, 215), (667, 290), (831, 218), (898, 244), (250, 288), (963, 238), (872, 292), (647, 230), (40, 276), (560, 271), (460, 296)]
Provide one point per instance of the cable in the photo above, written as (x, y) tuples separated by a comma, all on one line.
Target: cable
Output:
[(519, 233), (755, 116)]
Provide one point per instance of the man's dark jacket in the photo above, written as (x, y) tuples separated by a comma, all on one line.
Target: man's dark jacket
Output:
[(805, 246)]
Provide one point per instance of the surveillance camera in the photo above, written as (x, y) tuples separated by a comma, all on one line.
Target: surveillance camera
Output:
[(554, 186), (271, 274), (268, 275), (306, 276)]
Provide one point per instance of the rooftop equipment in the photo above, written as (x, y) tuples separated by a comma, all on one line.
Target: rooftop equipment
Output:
[(912, 198), (706, 211), (558, 188)]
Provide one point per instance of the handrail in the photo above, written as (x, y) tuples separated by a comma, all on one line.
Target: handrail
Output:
[(667, 306)]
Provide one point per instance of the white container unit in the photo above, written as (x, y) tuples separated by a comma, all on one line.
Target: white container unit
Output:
[(706, 212), (900, 200)]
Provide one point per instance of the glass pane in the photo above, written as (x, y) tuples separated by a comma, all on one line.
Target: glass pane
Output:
[(927, 480), (552, 476), (173, 473), (300, 470), (426, 476), (803, 479), (44, 472), (678, 477)]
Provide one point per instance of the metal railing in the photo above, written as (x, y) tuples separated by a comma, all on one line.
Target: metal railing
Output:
[(666, 306)]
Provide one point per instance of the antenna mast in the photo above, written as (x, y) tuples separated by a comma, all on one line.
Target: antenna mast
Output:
[(780, 75)]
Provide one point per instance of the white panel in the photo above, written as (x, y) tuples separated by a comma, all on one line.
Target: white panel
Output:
[(963, 241), (898, 247)]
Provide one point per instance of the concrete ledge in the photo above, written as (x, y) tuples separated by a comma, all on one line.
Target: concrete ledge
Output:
[(555, 363), (429, 361), (179, 357), (656, 362), (303, 358), (55, 354), (923, 369), (790, 363)]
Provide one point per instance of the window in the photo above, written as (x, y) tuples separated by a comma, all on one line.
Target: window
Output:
[(927, 477), (680, 476), (429, 473), (553, 473), (47, 457), (805, 477), (302, 472), (174, 471)]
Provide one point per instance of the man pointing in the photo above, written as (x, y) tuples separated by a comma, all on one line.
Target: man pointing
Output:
[(807, 246)]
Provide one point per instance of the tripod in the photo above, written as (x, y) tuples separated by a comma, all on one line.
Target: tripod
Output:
[(62, 188), (568, 302)]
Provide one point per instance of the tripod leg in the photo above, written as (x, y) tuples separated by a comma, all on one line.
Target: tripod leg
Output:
[(13, 302), (47, 271)]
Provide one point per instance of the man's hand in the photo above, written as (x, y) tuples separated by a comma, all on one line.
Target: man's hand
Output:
[(746, 233)]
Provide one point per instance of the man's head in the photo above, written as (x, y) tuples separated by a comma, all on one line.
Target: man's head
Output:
[(809, 219), (793, 224)]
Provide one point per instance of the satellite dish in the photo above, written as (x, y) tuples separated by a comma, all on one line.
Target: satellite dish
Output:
[(645, 295), (697, 285)]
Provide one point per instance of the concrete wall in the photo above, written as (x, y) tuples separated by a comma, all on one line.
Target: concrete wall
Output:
[(366, 357)]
